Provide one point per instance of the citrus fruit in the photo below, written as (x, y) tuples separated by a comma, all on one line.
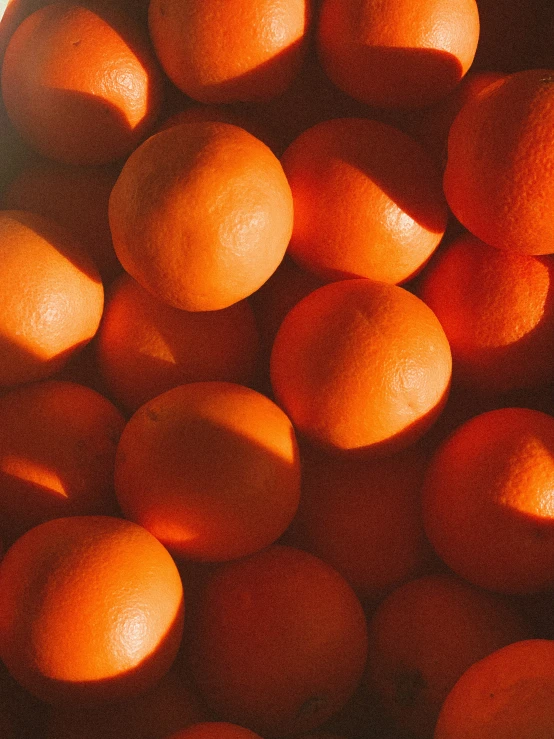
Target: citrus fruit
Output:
[(76, 198), (201, 215), (218, 51), (397, 54), (367, 201), (422, 638), (507, 694), (497, 179), (80, 85), (57, 454), (51, 297), (211, 469), (278, 641), (363, 517), (487, 500), (146, 347), (92, 609), (497, 310), (361, 366)]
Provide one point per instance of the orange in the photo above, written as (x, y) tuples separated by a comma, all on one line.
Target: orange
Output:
[(201, 215), (169, 705), (497, 310), (215, 730), (507, 694), (361, 366), (146, 347), (51, 297), (218, 51), (500, 154), (367, 201), (363, 517), (401, 54), (211, 469), (76, 198), (278, 642), (57, 454), (487, 500), (434, 123), (92, 609), (424, 636), (60, 89)]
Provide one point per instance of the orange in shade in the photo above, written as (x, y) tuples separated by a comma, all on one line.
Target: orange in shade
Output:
[(423, 637), (145, 346), (60, 89), (507, 694), (220, 53), (57, 454), (405, 54), (278, 642), (487, 500), (211, 469)]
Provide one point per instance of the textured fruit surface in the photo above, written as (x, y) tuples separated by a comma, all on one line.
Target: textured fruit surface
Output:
[(201, 215), (507, 694), (361, 366), (497, 310), (487, 500), (51, 297), (81, 86), (211, 469), (500, 154), (405, 53), (220, 53), (92, 609), (367, 200)]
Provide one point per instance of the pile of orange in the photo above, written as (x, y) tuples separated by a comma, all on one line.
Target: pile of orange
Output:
[(276, 369)]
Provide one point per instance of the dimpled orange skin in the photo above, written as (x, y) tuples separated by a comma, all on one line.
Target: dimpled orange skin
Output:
[(278, 642), (51, 297), (215, 730), (92, 70), (406, 53), (217, 53), (487, 500), (500, 156), (92, 609), (361, 366), (201, 215), (57, 454), (211, 469), (497, 310), (145, 347), (367, 199), (507, 694)]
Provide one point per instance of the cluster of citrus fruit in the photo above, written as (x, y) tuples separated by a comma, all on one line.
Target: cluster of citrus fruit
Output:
[(277, 369)]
